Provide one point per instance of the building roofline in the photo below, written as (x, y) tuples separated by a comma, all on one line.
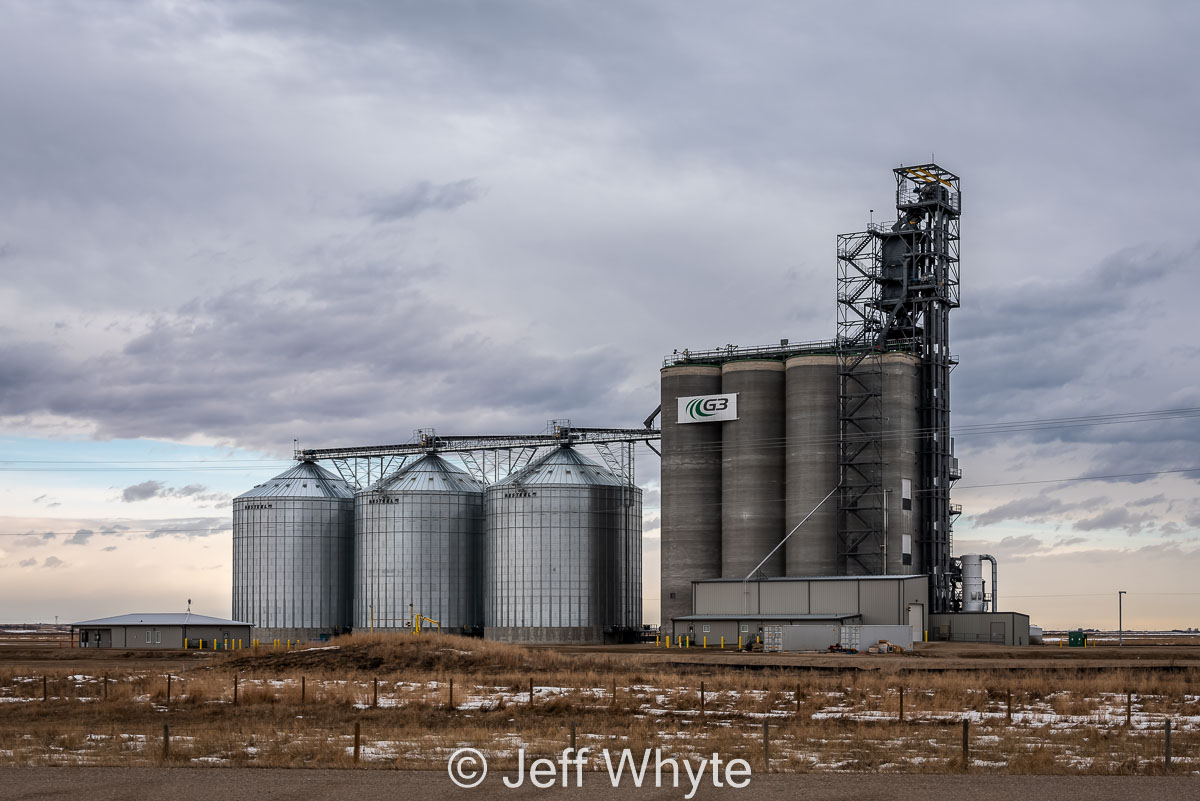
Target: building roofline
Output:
[(811, 578), (771, 616), (159, 619)]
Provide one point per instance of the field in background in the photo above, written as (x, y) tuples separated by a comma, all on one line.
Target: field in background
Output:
[(1079, 711)]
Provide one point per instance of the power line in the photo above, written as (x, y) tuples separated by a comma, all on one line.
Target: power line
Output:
[(999, 427), (1077, 478), (1131, 593)]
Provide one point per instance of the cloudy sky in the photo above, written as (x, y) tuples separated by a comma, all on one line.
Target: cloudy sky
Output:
[(227, 225)]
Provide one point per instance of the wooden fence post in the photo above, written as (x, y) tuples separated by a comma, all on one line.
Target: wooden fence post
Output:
[(452, 694), (375, 693), (1008, 711), (701, 699), (303, 689), (531, 690), (106, 687), (235, 689), (357, 739), (1167, 752), (1129, 709), (166, 742), (168, 688), (572, 737), (45, 693), (797, 699), (966, 747), (766, 747)]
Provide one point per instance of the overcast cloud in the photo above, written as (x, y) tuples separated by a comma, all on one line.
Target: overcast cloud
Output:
[(243, 223)]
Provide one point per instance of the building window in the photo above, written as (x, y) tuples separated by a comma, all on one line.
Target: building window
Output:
[(745, 628), (706, 628), (672, 596), (157, 636), (906, 494), (148, 641)]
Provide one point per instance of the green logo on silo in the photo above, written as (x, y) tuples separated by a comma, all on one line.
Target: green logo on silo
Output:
[(700, 408)]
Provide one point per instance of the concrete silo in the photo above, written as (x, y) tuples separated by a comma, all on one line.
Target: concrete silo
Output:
[(812, 430), (903, 442), (752, 469), (418, 549), (562, 553), (691, 490), (293, 550)]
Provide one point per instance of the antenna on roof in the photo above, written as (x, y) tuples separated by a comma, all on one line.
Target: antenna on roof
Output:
[(189, 604)]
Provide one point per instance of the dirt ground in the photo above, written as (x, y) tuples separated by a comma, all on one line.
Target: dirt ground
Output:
[(198, 784)]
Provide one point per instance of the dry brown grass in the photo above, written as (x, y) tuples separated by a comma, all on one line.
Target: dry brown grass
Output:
[(1063, 722)]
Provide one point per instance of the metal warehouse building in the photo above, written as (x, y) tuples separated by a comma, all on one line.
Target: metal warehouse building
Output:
[(731, 608), (165, 630)]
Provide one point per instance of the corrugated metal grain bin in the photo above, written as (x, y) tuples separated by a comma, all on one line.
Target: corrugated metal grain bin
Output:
[(418, 549), (293, 550), (563, 553)]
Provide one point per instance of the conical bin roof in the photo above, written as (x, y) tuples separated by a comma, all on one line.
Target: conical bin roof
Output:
[(564, 466), (305, 480), (430, 473)]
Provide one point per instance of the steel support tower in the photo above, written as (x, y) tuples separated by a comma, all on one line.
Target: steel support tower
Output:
[(897, 282)]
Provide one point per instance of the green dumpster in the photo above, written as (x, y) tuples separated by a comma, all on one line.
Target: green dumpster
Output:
[(1076, 639)]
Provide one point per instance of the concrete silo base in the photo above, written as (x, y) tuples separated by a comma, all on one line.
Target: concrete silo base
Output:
[(545, 634), (266, 636)]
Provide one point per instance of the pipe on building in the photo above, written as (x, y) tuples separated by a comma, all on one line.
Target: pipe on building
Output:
[(992, 559), (750, 575)]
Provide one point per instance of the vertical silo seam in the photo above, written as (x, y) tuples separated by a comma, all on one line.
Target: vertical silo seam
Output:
[(690, 520), (752, 469)]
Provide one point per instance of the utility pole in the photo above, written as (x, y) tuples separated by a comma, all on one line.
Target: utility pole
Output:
[(1120, 617)]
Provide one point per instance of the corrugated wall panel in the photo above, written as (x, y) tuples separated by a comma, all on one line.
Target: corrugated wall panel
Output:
[(880, 602), (785, 597), (722, 598), (834, 597)]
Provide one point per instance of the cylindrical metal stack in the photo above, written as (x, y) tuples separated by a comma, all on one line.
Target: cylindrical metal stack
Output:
[(691, 490), (418, 549), (901, 461), (972, 583), (812, 433), (752, 469), (293, 546), (562, 553)]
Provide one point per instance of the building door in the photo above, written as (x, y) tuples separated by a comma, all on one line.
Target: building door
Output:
[(998, 632), (916, 621)]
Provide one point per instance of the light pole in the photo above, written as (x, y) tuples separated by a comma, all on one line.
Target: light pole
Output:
[(1120, 617)]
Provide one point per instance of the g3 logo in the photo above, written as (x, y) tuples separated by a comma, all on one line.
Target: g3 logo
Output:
[(699, 408)]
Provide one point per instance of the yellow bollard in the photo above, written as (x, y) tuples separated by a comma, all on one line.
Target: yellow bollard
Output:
[(185, 643), (657, 640), (705, 643), (668, 643), (739, 642), (722, 642)]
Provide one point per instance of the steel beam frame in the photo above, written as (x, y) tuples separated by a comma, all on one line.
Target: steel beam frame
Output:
[(897, 283), (488, 458)]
